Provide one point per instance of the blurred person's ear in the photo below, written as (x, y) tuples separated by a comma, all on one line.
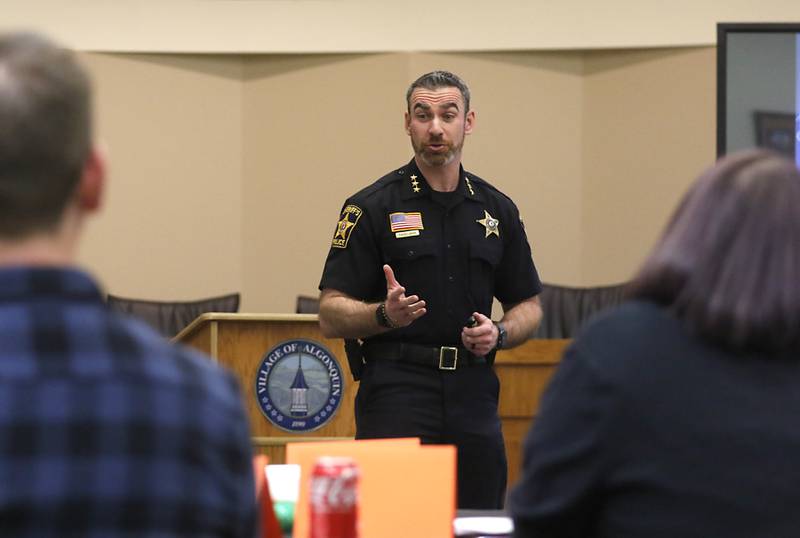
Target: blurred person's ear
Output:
[(90, 190)]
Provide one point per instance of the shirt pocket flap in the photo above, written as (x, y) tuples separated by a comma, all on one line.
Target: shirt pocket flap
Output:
[(400, 250), (490, 252)]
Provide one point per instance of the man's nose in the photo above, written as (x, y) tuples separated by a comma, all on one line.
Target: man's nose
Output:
[(436, 127)]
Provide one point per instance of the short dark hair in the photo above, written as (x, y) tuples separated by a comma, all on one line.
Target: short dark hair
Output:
[(439, 79), (45, 132), (728, 262)]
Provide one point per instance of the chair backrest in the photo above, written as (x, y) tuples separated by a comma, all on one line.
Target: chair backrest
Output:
[(306, 305), (170, 317), (566, 308)]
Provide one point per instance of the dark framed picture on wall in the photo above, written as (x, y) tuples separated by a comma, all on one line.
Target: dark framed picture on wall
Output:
[(776, 131), (758, 87)]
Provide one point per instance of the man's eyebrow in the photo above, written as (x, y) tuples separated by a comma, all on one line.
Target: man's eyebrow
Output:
[(426, 106)]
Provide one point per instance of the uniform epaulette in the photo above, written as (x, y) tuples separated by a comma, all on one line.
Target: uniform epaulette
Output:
[(483, 183), (391, 177)]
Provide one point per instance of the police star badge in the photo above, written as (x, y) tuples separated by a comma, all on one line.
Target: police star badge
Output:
[(346, 225), (491, 224)]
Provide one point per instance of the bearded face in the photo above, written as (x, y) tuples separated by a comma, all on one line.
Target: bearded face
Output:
[(437, 124)]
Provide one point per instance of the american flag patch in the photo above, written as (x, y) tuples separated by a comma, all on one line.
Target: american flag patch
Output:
[(405, 221)]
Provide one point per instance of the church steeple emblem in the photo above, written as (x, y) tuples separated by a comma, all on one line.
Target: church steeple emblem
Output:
[(299, 388), (299, 385)]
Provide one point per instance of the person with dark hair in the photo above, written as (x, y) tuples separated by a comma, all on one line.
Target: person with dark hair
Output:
[(676, 414), (415, 262), (105, 428)]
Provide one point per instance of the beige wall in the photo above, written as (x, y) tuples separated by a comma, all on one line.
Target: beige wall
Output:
[(313, 135), (649, 128), (172, 224), (228, 172)]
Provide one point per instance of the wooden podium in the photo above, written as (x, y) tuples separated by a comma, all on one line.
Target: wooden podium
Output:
[(240, 341)]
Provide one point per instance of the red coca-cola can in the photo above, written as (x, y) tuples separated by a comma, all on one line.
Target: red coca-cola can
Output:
[(334, 498)]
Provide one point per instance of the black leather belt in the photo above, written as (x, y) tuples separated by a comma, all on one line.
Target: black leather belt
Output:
[(442, 358)]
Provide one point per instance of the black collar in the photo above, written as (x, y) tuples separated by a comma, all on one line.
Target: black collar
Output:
[(416, 186)]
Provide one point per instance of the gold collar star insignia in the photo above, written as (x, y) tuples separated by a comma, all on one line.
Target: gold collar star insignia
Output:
[(469, 186), (491, 224), (415, 183)]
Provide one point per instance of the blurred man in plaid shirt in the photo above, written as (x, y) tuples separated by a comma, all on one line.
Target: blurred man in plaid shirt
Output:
[(106, 430)]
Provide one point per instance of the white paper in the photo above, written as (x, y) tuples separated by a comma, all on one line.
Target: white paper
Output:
[(284, 481), (483, 526)]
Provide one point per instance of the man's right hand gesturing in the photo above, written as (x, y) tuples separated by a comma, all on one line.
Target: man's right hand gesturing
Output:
[(401, 310)]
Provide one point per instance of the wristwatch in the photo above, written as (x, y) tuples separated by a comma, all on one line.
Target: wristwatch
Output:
[(501, 335)]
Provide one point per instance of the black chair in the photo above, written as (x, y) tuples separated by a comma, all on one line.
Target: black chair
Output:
[(306, 305), (170, 317), (567, 308)]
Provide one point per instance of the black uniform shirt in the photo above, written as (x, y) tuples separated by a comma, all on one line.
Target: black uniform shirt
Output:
[(454, 250)]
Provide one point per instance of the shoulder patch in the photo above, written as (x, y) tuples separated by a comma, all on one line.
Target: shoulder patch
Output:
[(346, 225)]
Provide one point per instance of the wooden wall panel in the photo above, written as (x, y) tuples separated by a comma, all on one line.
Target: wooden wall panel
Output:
[(524, 373)]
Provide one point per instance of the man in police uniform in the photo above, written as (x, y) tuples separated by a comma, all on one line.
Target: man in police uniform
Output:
[(415, 261)]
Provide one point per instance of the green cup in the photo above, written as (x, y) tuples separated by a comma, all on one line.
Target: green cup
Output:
[(284, 511)]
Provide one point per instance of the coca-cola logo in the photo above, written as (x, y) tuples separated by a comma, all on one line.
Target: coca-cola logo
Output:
[(333, 493)]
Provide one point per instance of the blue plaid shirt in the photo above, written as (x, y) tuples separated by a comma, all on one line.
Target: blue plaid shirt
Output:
[(107, 430)]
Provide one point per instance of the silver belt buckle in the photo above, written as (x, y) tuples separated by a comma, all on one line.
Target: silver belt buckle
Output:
[(443, 357)]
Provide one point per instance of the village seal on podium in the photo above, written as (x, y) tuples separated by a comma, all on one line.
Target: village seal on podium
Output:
[(299, 385)]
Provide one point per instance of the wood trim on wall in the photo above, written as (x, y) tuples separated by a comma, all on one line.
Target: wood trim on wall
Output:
[(281, 26)]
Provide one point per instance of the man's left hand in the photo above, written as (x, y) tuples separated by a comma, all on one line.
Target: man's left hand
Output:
[(482, 338)]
